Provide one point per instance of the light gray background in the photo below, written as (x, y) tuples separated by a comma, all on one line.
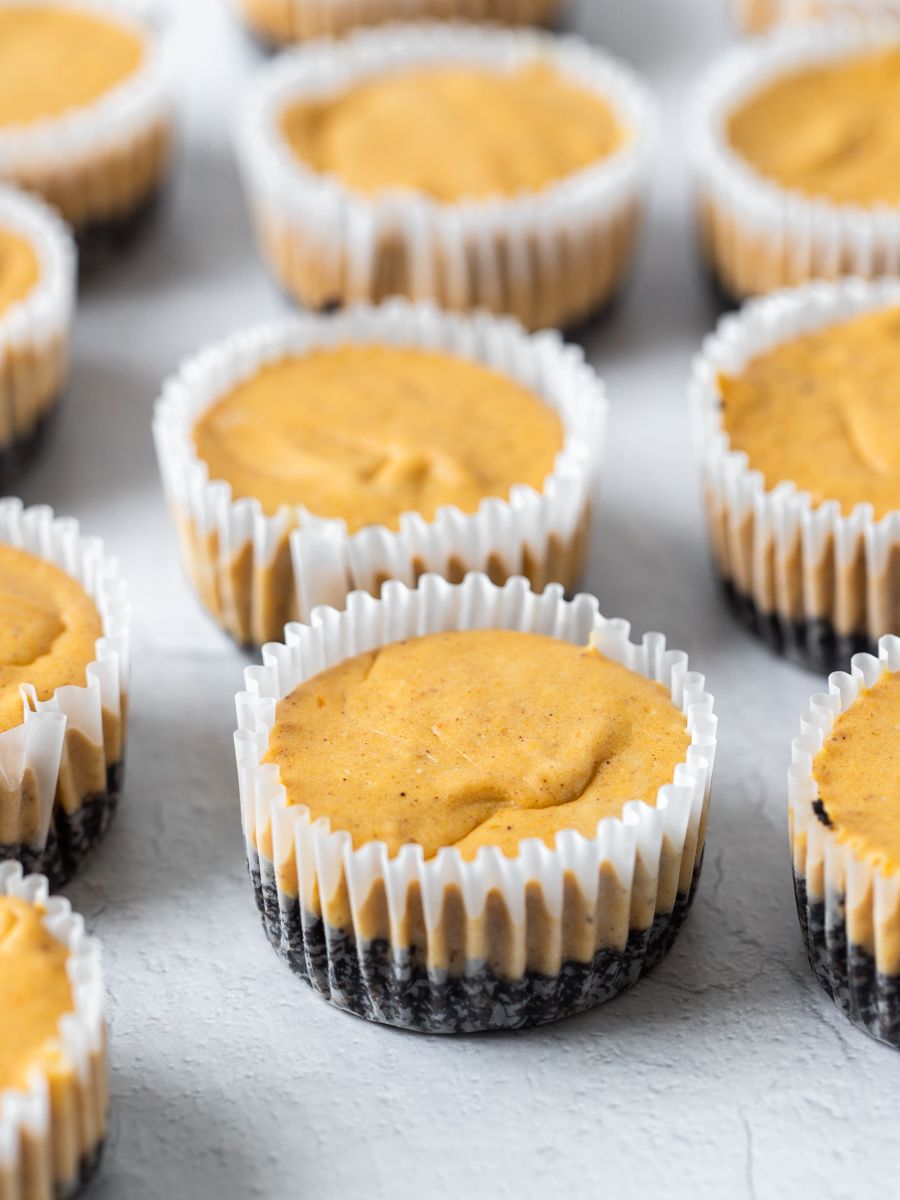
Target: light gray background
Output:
[(725, 1073)]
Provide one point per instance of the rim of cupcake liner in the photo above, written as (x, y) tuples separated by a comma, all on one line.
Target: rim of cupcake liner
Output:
[(244, 8), (36, 744), (322, 67), (120, 114), (81, 1032), (329, 561), (324, 856), (852, 880), (779, 11), (759, 201), (783, 512), (46, 310)]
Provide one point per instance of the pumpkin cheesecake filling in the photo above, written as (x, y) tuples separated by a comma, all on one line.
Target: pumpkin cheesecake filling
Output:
[(48, 629), (823, 411), (19, 268), (366, 433), (455, 132), (857, 772), (34, 992), (54, 59), (475, 738), (829, 131)]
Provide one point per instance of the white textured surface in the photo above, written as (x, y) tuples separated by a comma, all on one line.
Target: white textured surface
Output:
[(725, 1073)]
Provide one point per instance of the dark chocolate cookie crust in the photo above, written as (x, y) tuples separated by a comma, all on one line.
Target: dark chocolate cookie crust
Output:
[(72, 836), (813, 644), (102, 240), (578, 329), (847, 972), (16, 456), (87, 1169), (372, 983)]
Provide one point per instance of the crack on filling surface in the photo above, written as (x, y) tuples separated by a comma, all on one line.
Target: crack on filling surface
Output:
[(368, 432), (49, 627), (823, 411), (455, 132), (34, 992), (857, 773), (829, 130), (475, 738)]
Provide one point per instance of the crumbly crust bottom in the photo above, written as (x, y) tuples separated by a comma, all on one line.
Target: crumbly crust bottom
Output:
[(100, 241), (72, 835), (17, 455), (377, 984), (88, 1168), (868, 998), (578, 327), (812, 643)]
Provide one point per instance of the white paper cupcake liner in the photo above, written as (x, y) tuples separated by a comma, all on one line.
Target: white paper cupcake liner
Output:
[(550, 259), (278, 22), (61, 768), (448, 945), (34, 333), (52, 1133), (849, 908), (816, 584), (102, 163), (255, 572), (756, 235)]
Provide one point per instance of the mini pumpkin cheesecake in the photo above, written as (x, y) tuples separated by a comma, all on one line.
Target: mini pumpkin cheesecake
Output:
[(495, 823), (37, 284), (470, 166), (279, 22), (53, 1087), (798, 159), (334, 453), (63, 673), (845, 817), (797, 413), (85, 111)]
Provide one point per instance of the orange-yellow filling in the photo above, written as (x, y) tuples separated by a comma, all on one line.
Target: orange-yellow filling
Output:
[(829, 131), (54, 59), (478, 738), (34, 993), (48, 629), (367, 433), (19, 268), (823, 411), (455, 132), (858, 773)]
